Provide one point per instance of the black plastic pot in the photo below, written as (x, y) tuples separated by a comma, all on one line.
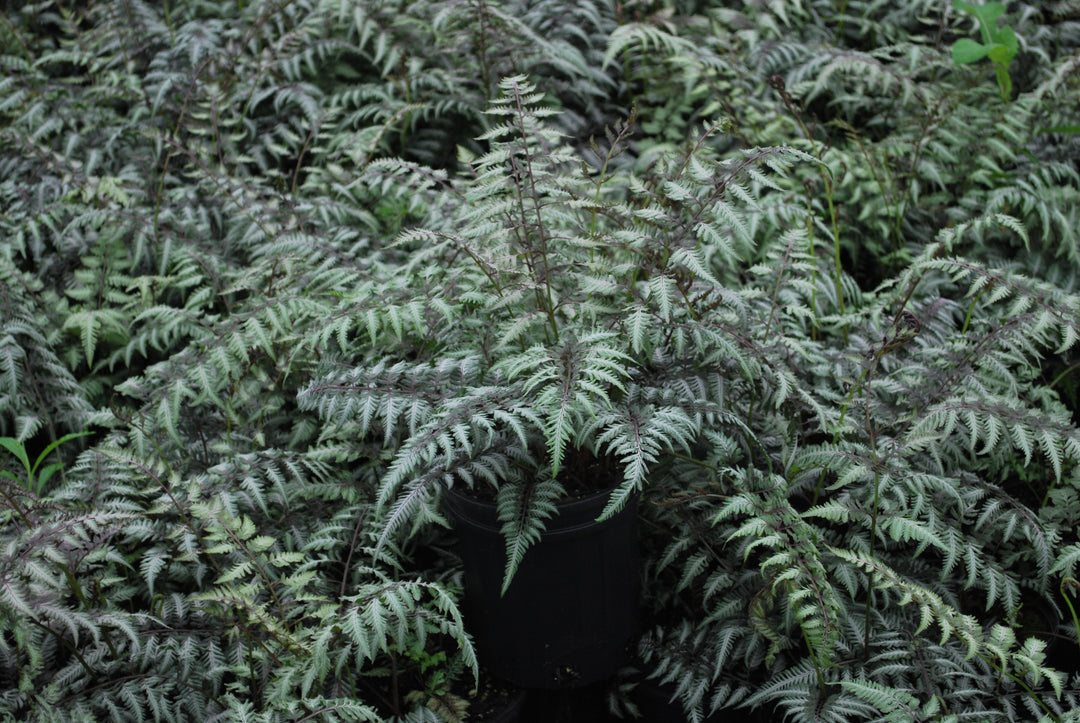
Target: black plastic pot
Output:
[(510, 713), (570, 611), (657, 704)]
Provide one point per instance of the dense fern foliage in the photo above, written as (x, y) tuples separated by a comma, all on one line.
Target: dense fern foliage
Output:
[(789, 270)]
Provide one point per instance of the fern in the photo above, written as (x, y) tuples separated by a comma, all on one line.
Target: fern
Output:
[(784, 272), (567, 383)]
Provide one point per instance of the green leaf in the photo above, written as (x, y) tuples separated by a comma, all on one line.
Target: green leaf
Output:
[(1007, 46), (987, 14), (18, 450), (67, 437), (47, 472), (966, 50), (999, 54)]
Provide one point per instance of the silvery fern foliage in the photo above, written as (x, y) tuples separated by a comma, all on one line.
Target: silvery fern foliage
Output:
[(800, 281), (202, 557), (896, 571), (575, 290)]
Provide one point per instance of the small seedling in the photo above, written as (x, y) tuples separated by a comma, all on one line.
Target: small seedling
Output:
[(34, 481), (998, 44)]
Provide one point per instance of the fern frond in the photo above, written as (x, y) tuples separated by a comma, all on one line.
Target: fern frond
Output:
[(523, 510), (569, 383)]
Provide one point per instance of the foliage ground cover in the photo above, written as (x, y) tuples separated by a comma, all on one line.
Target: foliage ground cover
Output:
[(274, 273)]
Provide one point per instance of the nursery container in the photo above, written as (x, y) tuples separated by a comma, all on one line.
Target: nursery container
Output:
[(571, 609), (508, 712)]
